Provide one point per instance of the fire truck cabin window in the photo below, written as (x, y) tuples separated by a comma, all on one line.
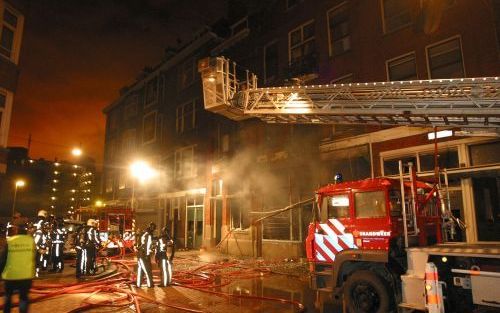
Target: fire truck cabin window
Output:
[(395, 204), (337, 206), (370, 204)]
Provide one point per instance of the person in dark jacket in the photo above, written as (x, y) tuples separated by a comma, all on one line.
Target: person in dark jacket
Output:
[(144, 252), (17, 264), (81, 254)]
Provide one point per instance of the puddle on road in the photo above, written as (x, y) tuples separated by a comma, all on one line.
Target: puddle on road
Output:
[(271, 286)]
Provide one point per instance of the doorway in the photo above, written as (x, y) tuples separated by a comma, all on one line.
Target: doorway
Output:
[(487, 204), (194, 222)]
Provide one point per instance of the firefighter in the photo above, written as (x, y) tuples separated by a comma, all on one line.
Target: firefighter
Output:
[(81, 252), (163, 259), (41, 243), (58, 237), (144, 252), (92, 244), (18, 267), (40, 219)]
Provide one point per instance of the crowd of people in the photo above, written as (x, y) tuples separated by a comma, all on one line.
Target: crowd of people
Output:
[(29, 248)]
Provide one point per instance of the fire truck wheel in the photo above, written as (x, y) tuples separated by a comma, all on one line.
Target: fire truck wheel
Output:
[(366, 292)]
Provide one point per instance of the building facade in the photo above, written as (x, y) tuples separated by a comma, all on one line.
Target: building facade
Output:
[(217, 175), (11, 34)]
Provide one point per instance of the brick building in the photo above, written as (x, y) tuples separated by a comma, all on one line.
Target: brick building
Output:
[(218, 175), (11, 34)]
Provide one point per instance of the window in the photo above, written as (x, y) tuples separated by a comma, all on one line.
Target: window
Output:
[(301, 42), (149, 128), (391, 166), (348, 78), (370, 204), (239, 220), (445, 59), (447, 159), (3, 100), (187, 73), (122, 180), (402, 68), (271, 63), (8, 34), (291, 3), (131, 107), (496, 14), (111, 150), (151, 92), (128, 141), (113, 120), (186, 117), (485, 153), (108, 186), (396, 14), (337, 206), (184, 166), (338, 30)]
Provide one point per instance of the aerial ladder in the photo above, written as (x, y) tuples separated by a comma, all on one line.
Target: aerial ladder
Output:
[(470, 272), (457, 102)]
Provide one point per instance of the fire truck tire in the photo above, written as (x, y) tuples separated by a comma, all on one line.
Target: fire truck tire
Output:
[(366, 292)]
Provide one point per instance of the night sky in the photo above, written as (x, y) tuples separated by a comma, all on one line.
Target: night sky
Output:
[(75, 57)]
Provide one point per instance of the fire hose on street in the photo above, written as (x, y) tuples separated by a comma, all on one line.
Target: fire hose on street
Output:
[(118, 287)]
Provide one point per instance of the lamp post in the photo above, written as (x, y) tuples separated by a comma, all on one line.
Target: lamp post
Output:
[(141, 171), (18, 183)]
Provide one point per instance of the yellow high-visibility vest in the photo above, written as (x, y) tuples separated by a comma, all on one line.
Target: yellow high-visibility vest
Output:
[(20, 258)]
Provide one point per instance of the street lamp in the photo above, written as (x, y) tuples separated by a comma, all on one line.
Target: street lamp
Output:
[(141, 171), (76, 152), (19, 183)]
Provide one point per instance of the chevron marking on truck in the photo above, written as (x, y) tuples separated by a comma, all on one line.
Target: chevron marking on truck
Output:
[(334, 240)]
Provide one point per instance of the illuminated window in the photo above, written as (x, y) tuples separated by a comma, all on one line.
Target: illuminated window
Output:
[(396, 14), (149, 128), (338, 30), (186, 117), (301, 42), (445, 59), (402, 68), (108, 184)]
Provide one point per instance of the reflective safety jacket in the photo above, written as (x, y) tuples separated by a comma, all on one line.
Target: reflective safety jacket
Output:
[(146, 244), (20, 263)]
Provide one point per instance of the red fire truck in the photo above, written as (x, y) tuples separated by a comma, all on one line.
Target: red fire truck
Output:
[(381, 244)]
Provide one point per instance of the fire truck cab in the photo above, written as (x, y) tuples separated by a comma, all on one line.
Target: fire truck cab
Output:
[(358, 251)]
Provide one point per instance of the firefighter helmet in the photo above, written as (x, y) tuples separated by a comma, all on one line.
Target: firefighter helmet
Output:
[(42, 213), (152, 226), (164, 231)]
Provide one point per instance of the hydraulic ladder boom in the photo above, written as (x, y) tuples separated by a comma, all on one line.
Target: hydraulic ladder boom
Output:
[(458, 102)]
